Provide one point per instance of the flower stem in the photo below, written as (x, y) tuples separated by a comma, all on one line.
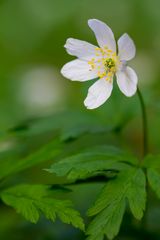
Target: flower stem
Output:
[(144, 122)]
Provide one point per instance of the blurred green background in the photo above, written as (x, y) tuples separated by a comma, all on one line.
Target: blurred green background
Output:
[(32, 36)]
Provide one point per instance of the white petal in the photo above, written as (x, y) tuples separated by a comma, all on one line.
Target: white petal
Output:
[(126, 48), (103, 33), (78, 70), (98, 93), (127, 81), (80, 49)]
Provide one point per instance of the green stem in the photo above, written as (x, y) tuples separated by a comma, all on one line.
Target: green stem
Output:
[(144, 123), (145, 148)]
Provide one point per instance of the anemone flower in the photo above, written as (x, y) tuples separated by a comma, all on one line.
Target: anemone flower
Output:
[(102, 62)]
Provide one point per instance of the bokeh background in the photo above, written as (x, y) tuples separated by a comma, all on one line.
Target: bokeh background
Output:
[(32, 36)]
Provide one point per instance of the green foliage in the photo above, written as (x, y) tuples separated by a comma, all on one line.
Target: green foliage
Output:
[(31, 200), (110, 205), (136, 194), (88, 162), (33, 34), (154, 180), (107, 222), (152, 161), (45, 153), (70, 124), (152, 165)]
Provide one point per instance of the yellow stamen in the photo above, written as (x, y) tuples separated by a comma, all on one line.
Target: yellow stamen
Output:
[(105, 64)]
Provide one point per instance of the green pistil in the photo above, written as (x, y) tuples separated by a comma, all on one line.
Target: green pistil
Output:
[(109, 63)]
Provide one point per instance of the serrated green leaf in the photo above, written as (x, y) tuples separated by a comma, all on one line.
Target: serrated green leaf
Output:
[(108, 221), (45, 153), (154, 180), (110, 205), (89, 161), (25, 206), (136, 194), (31, 200), (112, 191)]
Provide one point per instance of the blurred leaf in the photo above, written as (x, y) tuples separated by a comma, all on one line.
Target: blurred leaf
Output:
[(152, 164), (110, 205), (45, 153), (152, 161), (91, 160), (31, 200), (74, 132), (71, 125), (154, 180)]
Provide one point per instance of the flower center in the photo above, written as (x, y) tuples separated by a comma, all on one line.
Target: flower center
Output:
[(105, 63), (109, 64)]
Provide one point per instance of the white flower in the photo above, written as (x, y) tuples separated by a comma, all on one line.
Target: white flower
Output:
[(103, 63)]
